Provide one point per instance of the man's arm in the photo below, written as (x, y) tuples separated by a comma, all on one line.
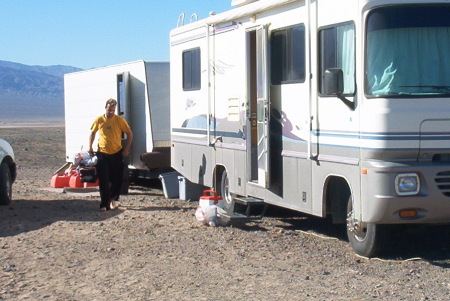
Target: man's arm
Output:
[(126, 149), (91, 141)]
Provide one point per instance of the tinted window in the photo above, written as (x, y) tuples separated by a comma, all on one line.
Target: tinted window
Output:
[(191, 69), (288, 55), (337, 50)]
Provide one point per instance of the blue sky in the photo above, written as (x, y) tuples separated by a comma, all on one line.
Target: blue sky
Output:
[(93, 33)]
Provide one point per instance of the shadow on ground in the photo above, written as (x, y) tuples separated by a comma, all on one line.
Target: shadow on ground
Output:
[(427, 242), (25, 215), (28, 215)]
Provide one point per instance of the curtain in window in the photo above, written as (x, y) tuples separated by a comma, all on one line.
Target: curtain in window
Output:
[(346, 56), (408, 60)]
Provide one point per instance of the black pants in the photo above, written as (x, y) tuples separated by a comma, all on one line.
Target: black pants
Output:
[(110, 174)]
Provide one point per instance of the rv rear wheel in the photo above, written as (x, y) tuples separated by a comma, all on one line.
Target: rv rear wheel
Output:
[(5, 184), (366, 239), (224, 190)]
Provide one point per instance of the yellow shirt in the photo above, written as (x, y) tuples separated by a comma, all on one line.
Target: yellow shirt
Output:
[(110, 133)]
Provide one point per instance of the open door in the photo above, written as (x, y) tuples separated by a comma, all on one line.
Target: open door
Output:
[(124, 110), (124, 98), (123, 95), (257, 43)]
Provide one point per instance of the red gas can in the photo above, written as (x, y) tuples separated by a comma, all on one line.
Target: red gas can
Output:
[(75, 181), (60, 180), (210, 198)]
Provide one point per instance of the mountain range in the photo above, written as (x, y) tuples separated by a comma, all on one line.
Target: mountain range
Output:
[(32, 92)]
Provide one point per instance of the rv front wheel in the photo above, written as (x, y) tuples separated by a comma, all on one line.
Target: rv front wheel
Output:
[(366, 239), (228, 199)]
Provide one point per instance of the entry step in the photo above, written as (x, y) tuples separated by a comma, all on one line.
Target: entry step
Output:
[(248, 201), (236, 218), (246, 204), (233, 215)]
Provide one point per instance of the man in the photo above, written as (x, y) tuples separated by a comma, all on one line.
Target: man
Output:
[(110, 153)]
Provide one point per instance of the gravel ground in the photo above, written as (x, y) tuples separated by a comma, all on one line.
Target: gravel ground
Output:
[(56, 245)]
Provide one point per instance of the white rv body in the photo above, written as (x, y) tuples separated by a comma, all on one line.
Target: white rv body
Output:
[(359, 128), (142, 91)]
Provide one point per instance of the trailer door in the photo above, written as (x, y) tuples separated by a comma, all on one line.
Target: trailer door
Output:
[(124, 103)]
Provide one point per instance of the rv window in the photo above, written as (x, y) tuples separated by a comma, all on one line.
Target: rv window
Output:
[(191, 70), (407, 51), (288, 55), (337, 50)]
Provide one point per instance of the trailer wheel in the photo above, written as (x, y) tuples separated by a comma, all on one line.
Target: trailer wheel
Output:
[(228, 199), (5, 184), (366, 239)]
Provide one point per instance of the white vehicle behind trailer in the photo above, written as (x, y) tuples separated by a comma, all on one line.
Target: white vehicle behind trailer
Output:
[(142, 91), (329, 107), (8, 172)]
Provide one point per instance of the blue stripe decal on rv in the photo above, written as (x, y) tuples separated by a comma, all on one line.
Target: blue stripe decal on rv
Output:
[(355, 135), (352, 135), (384, 136), (368, 135), (190, 131), (239, 135)]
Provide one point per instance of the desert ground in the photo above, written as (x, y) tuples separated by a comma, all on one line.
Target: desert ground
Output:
[(56, 245)]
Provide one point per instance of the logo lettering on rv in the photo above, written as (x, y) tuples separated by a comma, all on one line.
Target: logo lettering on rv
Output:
[(219, 67), (189, 104)]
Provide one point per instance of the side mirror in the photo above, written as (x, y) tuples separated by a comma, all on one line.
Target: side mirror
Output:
[(333, 85), (333, 82)]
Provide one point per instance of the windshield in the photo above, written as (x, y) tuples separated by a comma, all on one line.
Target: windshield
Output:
[(408, 51)]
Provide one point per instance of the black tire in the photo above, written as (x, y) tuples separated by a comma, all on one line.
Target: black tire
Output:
[(5, 185), (224, 190), (366, 239)]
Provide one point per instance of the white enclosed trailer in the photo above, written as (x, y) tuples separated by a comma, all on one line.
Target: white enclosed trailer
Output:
[(142, 91), (327, 107)]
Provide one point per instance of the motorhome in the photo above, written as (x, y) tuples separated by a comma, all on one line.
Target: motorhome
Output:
[(142, 91), (329, 107)]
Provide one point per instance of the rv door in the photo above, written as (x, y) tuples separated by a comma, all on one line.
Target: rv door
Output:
[(263, 103)]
